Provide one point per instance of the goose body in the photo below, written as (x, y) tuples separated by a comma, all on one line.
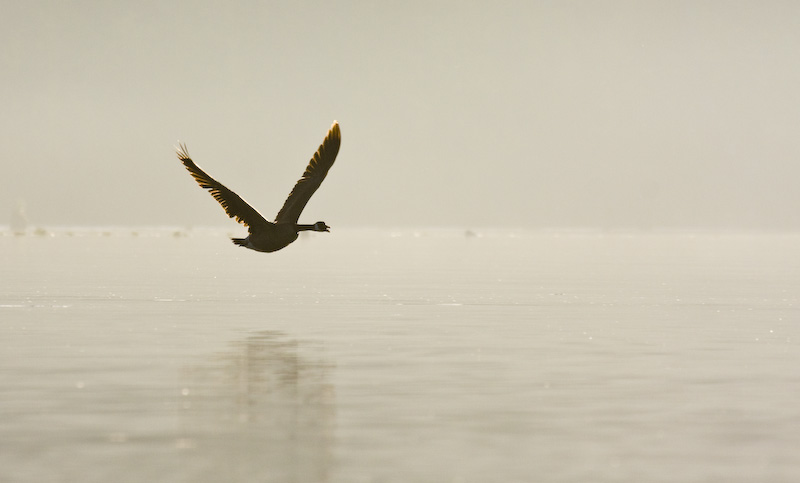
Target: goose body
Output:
[(268, 236)]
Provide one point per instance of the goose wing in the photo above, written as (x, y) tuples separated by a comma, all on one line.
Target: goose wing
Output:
[(315, 172), (233, 205)]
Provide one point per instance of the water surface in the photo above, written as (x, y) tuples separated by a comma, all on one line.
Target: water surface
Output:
[(399, 356)]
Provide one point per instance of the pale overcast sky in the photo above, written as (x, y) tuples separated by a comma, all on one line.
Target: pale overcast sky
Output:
[(455, 113)]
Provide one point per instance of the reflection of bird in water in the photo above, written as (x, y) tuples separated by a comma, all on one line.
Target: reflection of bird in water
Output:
[(266, 236), (264, 408)]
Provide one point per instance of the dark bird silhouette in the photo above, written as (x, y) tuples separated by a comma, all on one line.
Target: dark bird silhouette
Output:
[(267, 236)]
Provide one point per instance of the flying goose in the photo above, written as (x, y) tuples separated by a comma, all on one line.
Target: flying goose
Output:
[(267, 236)]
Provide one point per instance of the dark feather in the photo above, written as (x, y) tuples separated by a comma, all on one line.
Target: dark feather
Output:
[(233, 205), (312, 177)]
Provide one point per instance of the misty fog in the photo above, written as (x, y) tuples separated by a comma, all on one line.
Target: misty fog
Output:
[(619, 114)]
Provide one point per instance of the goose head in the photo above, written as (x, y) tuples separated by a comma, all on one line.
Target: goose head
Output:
[(321, 226)]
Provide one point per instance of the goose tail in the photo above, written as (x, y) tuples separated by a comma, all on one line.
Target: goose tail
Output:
[(242, 242)]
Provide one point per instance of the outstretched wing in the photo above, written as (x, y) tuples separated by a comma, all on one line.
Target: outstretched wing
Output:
[(233, 205), (315, 172)]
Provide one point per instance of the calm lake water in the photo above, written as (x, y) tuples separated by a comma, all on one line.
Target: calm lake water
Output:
[(400, 356)]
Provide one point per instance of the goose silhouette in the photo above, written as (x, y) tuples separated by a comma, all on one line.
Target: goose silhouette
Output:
[(267, 236)]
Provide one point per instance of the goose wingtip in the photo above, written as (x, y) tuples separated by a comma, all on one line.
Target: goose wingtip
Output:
[(181, 150)]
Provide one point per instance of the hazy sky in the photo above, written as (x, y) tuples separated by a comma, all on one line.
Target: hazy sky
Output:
[(556, 113)]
